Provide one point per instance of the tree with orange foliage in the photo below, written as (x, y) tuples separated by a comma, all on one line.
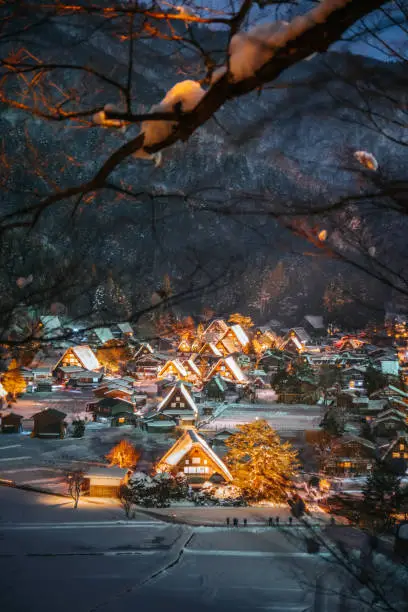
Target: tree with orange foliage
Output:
[(124, 455), (13, 381), (111, 354), (239, 319)]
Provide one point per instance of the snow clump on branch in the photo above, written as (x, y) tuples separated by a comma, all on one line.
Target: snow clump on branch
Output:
[(367, 160), (183, 97), (249, 51), (101, 119)]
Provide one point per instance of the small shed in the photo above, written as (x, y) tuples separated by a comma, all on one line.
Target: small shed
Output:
[(104, 482), (11, 423), (49, 423)]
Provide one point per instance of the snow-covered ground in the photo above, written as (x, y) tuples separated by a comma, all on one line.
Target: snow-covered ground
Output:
[(282, 417), (87, 560)]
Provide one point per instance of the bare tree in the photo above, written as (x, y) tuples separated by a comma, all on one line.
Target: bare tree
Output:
[(75, 480)]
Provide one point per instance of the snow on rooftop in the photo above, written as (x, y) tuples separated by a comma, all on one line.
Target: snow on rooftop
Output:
[(184, 444), (86, 356), (50, 323), (315, 321), (125, 328), (390, 367), (235, 369), (240, 334), (103, 334), (179, 387)]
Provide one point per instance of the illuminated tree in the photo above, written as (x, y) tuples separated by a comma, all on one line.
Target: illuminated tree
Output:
[(75, 480), (123, 455), (239, 319), (111, 354), (13, 381), (262, 466)]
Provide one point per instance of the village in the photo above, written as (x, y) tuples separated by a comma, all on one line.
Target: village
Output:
[(172, 404)]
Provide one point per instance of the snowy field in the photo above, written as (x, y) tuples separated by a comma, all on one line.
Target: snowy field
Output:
[(90, 561), (282, 417)]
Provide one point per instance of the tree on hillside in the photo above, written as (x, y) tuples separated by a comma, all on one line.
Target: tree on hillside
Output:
[(332, 423), (78, 428), (124, 455), (381, 498), (262, 466), (13, 381), (238, 319), (111, 354), (374, 379)]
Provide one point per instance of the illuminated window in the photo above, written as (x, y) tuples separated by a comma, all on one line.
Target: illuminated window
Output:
[(205, 461), (187, 461), (182, 405), (395, 455), (346, 464), (173, 404), (121, 419), (405, 455), (196, 460), (402, 446)]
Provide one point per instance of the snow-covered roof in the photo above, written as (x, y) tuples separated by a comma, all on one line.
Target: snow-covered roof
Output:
[(212, 349), (125, 328), (86, 356), (177, 364), (222, 324), (183, 445), (190, 364), (235, 369), (106, 476), (232, 366), (302, 334), (315, 321), (103, 334), (3, 392), (390, 367), (240, 334), (179, 387), (50, 322)]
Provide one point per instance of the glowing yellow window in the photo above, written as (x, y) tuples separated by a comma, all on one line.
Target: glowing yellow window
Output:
[(395, 455), (121, 419), (402, 446)]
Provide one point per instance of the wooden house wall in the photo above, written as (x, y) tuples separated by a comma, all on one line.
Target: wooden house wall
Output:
[(197, 458)]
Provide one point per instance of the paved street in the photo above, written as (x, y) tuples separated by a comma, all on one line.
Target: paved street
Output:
[(62, 559)]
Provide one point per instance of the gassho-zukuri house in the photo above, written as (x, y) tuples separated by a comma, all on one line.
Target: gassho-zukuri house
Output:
[(193, 457)]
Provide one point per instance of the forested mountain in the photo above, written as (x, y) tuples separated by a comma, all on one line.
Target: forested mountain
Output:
[(291, 145)]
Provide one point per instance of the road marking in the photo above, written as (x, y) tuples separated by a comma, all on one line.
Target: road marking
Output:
[(84, 525), (99, 553), (13, 458), (9, 446), (253, 553)]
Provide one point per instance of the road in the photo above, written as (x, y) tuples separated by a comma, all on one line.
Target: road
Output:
[(53, 557)]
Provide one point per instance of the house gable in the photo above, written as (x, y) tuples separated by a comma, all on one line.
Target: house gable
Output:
[(80, 357), (193, 456), (177, 401), (173, 368)]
